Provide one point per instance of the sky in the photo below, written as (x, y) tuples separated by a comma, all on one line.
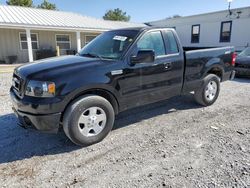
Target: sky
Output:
[(144, 10)]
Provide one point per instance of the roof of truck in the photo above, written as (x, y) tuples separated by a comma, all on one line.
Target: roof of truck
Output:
[(142, 28)]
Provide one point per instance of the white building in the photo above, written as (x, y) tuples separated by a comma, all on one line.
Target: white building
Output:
[(25, 32), (216, 29)]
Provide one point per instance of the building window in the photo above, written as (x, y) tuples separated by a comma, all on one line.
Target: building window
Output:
[(225, 34), (24, 44), (63, 41), (89, 38), (195, 38)]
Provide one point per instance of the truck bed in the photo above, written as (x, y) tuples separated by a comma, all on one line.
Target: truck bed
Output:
[(196, 62)]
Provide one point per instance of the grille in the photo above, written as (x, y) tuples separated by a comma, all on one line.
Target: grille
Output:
[(17, 83), (243, 65)]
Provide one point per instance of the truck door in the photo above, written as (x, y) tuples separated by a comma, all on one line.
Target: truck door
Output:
[(158, 80)]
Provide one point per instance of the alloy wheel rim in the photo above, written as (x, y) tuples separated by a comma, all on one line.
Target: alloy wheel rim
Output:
[(92, 121), (211, 90)]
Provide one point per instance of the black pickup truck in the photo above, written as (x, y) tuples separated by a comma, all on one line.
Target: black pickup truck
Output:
[(119, 70)]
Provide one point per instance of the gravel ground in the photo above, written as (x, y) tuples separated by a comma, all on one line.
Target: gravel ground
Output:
[(7, 68), (169, 144)]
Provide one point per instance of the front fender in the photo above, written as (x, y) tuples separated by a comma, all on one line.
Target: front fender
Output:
[(90, 88)]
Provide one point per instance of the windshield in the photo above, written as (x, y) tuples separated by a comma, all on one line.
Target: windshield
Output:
[(109, 45), (245, 52)]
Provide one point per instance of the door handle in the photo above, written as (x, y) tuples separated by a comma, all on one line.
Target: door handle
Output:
[(168, 65)]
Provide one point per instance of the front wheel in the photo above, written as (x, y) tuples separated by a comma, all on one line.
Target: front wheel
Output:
[(88, 120), (209, 91)]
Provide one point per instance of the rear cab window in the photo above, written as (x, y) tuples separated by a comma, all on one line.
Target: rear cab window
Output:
[(171, 43)]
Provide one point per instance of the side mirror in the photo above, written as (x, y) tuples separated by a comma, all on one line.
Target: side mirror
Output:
[(143, 56)]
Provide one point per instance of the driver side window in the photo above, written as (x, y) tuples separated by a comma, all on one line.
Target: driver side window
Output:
[(152, 41)]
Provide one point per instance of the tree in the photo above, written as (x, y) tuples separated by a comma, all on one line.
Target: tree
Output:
[(116, 15), (47, 5), (23, 3), (174, 16)]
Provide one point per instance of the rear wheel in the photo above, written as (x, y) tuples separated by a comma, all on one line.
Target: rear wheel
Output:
[(209, 92), (88, 120)]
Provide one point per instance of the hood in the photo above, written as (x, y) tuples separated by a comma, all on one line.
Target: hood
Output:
[(243, 60), (56, 65)]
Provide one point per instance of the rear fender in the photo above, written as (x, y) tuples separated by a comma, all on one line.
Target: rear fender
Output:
[(212, 65)]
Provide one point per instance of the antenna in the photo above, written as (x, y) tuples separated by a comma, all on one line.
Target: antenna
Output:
[(231, 13), (239, 13), (229, 6)]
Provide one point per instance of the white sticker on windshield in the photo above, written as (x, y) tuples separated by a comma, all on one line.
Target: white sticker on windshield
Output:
[(120, 38)]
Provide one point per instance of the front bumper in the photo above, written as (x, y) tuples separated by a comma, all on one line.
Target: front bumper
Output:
[(232, 76), (46, 123), (228, 75), (242, 71), (42, 116)]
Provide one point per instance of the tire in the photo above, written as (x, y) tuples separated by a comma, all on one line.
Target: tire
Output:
[(209, 91), (88, 120)]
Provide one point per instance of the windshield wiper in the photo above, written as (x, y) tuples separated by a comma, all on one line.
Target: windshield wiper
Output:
[(92, 55)]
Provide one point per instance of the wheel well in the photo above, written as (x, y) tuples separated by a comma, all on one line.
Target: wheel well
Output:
[(107, 95), (217, 71), (100, 92)]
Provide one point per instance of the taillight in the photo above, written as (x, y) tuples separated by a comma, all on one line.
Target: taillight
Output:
[(233, 59)]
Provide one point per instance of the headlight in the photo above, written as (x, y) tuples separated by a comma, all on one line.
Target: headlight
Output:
[(40, 89)]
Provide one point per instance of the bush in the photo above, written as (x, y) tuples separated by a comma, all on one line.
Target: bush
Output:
[(45, 53)]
